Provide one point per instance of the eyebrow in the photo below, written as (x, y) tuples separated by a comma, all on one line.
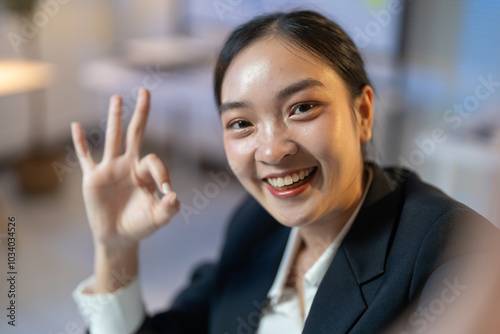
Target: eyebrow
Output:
[(281, 95), (297, 87)]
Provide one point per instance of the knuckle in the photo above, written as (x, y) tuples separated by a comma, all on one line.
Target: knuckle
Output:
[(136, 130), (152, 157)]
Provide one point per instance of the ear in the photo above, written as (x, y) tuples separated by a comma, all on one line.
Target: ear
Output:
[(364, 107)]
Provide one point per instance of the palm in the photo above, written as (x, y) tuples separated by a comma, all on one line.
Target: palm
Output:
[(120, 192), (117, 203)]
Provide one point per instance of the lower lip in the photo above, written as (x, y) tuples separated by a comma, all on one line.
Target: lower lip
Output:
[(290, 192)]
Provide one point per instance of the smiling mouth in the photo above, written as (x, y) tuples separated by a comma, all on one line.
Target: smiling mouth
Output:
[(291, 181)]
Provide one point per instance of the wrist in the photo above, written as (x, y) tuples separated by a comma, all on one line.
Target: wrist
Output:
[(115, 267), (116, 251)]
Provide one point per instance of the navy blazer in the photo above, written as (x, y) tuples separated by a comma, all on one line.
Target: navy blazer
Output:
[(404, 230)]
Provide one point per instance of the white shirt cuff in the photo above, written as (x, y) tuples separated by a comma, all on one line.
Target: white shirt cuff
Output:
[(120, 312)]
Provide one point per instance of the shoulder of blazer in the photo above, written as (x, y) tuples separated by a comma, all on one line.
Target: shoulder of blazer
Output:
[(433, 217), (433, 228), (402, 211)]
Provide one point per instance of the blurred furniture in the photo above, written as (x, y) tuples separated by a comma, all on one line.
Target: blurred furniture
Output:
[(178, 71), (28, 76), (170, 52)]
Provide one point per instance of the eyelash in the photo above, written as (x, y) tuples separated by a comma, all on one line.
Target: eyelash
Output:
[(310, 104), (230, 126)]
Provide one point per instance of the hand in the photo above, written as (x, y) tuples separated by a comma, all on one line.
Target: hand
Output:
[(120, 192)]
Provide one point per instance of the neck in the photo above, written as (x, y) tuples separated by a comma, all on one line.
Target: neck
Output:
[(318, 235)]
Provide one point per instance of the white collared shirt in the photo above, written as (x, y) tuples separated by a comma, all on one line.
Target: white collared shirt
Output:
[(122, 311), (283, 314)]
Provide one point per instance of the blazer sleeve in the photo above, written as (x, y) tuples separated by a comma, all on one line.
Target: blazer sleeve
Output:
[(190, 310), (449, 264), (460, 238)]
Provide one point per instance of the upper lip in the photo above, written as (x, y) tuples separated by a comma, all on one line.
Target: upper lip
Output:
[(283, 174)]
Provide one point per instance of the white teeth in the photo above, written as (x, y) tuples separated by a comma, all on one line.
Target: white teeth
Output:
[(281, 182), (289, 179)]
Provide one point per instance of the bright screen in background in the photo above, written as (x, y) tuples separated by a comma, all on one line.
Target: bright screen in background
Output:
[(448, 44), (480, 38)]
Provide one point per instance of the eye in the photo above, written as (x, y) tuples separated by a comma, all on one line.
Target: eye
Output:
[(303, 108), (239, 125)]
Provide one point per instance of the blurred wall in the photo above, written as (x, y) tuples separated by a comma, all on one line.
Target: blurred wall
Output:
[(66, 35)]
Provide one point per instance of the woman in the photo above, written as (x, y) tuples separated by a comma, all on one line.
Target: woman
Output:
[(328, 243)]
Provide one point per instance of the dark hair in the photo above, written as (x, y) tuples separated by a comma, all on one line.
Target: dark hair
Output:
[(307, 30)]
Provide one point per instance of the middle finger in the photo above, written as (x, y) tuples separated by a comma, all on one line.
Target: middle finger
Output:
[(114, 131), (137, 125)]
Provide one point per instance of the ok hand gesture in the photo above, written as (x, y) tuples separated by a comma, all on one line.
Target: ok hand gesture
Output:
[(120, 192)]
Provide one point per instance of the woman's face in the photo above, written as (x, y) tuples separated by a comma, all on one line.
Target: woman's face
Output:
[(290, 135)]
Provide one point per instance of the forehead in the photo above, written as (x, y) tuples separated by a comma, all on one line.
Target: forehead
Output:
[(270, 64)]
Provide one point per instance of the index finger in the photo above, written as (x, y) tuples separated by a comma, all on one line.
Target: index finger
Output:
[(135, 130), (81, 148)]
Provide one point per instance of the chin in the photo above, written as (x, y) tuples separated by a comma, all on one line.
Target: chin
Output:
[(291, 220)]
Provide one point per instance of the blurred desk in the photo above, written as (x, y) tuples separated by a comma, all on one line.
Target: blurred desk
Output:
[(171, 52)]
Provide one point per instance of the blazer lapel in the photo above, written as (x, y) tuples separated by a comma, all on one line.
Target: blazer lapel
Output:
[(239, 307), (339, 301)]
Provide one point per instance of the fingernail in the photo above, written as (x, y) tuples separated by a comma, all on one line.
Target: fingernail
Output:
[(173, 199), (166, 188)]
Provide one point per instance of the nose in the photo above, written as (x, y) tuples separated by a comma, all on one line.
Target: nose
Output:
[(273, 146)]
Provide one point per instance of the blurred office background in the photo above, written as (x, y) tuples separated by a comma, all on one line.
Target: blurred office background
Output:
[(434, 65)]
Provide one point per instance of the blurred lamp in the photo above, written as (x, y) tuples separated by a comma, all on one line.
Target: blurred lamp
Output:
[(18, 76)]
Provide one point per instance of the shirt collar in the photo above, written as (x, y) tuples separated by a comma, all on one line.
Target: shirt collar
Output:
[(315, 274)]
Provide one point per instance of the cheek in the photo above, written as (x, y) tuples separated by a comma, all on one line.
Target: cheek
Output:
[(238, 156), (331, 141), (322, 137), (335, 134)]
